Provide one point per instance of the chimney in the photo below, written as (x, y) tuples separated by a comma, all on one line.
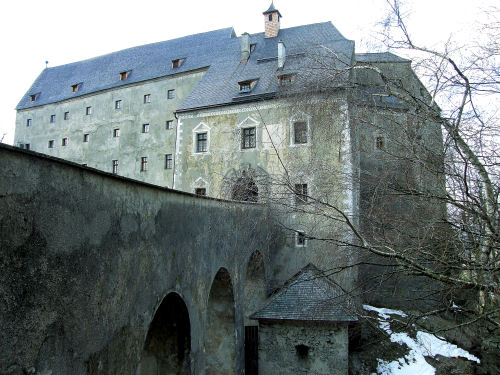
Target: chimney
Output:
[(245, 46), (281, 54), (272, 18)]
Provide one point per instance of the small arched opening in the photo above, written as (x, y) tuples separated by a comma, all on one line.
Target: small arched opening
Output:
[(168, 342), (220, 345)]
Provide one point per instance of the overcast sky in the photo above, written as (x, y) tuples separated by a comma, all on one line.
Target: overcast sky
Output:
[(64, 31)]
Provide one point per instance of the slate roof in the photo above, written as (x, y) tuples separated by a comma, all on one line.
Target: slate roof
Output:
[(272, 9), (379, 57), (378, 97), (308, 296), (218, 50)]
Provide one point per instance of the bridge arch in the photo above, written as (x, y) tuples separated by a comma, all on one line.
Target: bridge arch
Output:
[(220, 340), (167, 348)]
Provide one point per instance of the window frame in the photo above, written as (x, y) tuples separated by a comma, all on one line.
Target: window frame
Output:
[(145, 128), (201, 144), (301, 192), (147, 98), (200, 191), (169, 124), (86, 137), (52, 119), (169, 161), (114, 169), (118, 104), (51, 143), (301, 239), (116, 132), (380, 144), (124, 75), (170, 94), (66, 116), (249, 137), (144, 163), (88, 110), (300, 117), (64, 142), (29, 122), (177, 63)]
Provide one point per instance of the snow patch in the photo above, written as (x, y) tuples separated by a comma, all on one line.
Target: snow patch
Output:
[(425, 345)]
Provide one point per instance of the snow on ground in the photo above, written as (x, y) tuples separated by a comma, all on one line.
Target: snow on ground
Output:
[(425, 344)]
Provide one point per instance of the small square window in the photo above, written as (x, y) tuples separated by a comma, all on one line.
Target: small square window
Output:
[(177, 63), (64, 142), (147, 98), (285, 79), (379, 143), (51, 143), (85, 137), (300, 132), (245, 86), (33, 97), (169, 124), (76, 87), (115, 166), (66, 115), (144, 164), (118, 104), (124, 75), (201, 142), (28, 122), (248, 138), (300, 239), (27, 146), (52, 118), (168, 161), (200, 191), (88, 111), (116, 133), (145, 128), (252, 47), (300, 194), (171, 94)]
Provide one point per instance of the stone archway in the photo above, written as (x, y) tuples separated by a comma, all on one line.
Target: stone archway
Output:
[(254, 294), (220, 343), (168, 342)]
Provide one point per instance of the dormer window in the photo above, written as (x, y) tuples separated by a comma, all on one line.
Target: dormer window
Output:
[(75, 87), (34, 97), (252, 47), (247, 86), (286, 79), (177, 63), (124, 75)]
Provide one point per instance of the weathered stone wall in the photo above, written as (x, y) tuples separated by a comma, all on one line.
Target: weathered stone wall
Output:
[(87, 258), (279, 353)]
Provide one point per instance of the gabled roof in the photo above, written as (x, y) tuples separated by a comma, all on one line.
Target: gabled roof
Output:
[(308, 296), (219, 51)]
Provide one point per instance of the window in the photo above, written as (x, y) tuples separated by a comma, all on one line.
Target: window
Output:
[(379, 143), (201, 142), (34, 97), (27, 146), (147, 98), (252, 47), (300, 194), (168, 161), (51, 143), (286, 79), (171, 94), (84, 164), (115, 166), (116, 133), (144, 164), (300, 239), (270, 17), (88, 111), (85, 137), (118, 104), (66, 115), (75, 87), (145, 128), (300, 132), (28, 122), (169, 124), (247, 86), (177, 63), (64, 142), (248, 138), (124, 75), (52, 118), (200, 191)]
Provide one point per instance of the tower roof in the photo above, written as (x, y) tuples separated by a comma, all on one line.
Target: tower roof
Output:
[(272, 9)]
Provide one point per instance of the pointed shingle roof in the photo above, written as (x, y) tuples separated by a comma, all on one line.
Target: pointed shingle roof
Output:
[(272, 9), (308, 296)]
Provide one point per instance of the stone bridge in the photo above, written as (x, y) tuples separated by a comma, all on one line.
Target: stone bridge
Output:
[(100, 274)]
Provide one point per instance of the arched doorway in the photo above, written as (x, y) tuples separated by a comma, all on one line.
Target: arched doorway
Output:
[(220, 345), (168, 343), (245, 189), (254, 298)]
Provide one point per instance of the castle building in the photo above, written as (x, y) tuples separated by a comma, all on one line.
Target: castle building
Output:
[(278, 117)]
